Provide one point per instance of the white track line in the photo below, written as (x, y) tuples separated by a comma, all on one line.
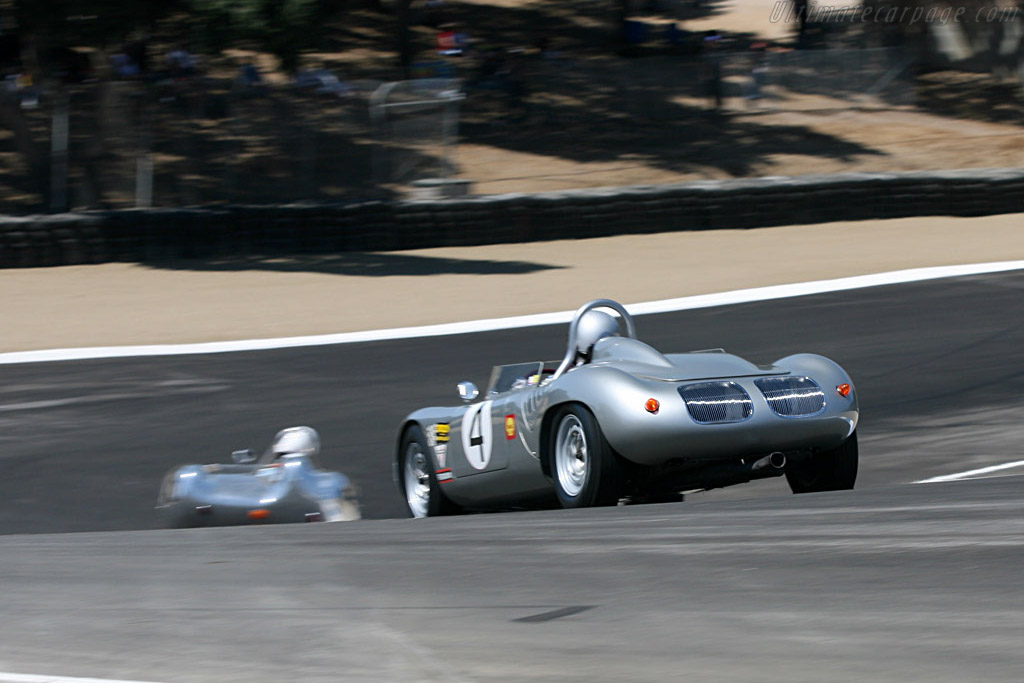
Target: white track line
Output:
[(972, 473), (32, 678), (739, 296)]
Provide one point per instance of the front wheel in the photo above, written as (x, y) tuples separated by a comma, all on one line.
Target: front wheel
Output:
[(585, 468), (423, 495), (834, 470)]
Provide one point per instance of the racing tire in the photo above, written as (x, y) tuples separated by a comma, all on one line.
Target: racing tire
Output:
[(834, 470), (423, 495), (585, 469)]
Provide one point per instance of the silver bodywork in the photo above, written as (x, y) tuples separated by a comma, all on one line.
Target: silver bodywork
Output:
[(293, 489), (495, 451)]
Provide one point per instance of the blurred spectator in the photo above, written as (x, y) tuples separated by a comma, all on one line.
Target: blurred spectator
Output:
[(504, 71), (635, 32), (547, 50), (489, 73), (22, 88), (516, 87), (182, 82), (249, 80), (674, 35), (435, 69), (125, 66), (322, 82), (181, 64), (712, 70), (10, 50), (758, 72), (138, 52), (451, 42), (132, 61), (71, 66), (800, 8), (435, 13)]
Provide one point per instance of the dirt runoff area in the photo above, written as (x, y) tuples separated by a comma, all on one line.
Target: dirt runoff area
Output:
[(196, 301), (594, 119)]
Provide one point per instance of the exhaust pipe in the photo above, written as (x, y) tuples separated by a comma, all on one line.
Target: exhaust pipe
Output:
[(718, 475), (773, 461)]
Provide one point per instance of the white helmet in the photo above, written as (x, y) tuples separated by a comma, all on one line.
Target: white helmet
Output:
[(296, 441), (594, 325)]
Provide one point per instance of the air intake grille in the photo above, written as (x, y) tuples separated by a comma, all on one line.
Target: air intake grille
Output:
[(716, 402), (792, 396)]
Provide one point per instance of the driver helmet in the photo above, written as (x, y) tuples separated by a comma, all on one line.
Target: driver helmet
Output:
[(296, 441), (594, 325)]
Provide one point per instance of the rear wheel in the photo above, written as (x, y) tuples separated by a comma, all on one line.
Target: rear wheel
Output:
[(423, 495), (585, 468), (834, 470)]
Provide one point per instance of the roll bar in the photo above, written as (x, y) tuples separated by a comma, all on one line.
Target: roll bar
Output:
[(570, 353)]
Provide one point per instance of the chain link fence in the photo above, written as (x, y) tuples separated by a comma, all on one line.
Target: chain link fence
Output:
[(416, 124), (668, 87), (796, 80), (185, 142), (198, 141)]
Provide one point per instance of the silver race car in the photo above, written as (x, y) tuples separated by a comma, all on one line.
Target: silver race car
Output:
[(284, 485), (616, 420)]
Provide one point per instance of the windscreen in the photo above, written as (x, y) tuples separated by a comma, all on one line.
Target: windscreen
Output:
[(507, 377)]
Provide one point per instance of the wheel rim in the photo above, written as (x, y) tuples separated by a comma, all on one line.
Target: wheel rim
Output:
[(572, 461), (417, 481)]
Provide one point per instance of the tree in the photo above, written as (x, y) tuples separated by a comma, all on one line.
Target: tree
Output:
[(282, 27), (42, 37)]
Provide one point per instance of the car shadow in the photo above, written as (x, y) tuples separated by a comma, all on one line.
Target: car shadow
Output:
[(365, 264)]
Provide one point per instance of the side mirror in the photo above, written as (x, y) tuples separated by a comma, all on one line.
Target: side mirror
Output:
[(243, 457), (468, 391)]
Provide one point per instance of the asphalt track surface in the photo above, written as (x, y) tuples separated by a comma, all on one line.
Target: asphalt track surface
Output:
[(84, 444), (904, 583), (891, 582)]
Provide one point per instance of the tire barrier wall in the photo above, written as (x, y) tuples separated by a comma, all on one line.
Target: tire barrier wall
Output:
[(140, 235)]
